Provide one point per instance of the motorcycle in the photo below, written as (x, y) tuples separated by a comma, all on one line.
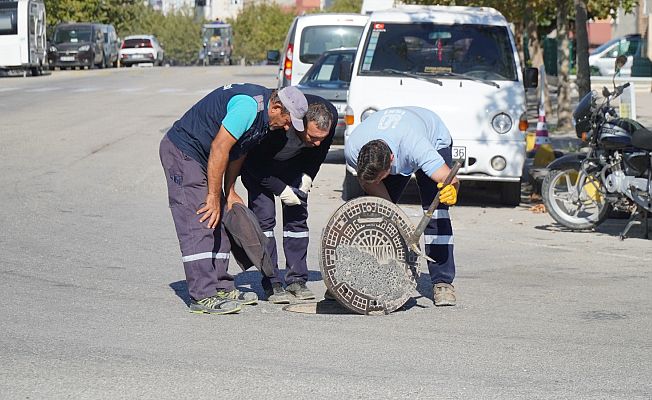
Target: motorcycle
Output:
[(581, 189)]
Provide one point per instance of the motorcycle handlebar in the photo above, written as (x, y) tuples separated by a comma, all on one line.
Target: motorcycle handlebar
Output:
[(621, 88)]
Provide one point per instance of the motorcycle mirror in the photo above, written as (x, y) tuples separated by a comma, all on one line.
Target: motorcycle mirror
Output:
[(605, 92), (621, 60)]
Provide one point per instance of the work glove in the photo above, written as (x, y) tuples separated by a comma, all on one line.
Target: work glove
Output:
[(306, 183), (447, 194), (290, 196)]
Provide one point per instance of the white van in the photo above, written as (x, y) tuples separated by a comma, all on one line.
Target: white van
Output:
[(23, 43), (311, 35), (460, 62)]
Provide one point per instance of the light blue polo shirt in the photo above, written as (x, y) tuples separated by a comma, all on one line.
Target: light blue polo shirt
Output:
[(413, 134), (240, 114)]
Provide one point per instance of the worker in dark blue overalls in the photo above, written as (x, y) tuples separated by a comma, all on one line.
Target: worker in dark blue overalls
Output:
[(202, 155)]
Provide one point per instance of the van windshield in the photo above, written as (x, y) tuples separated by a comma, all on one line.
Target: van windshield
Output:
[(317, 39), (72, 35), (214, 34), (478, 51)]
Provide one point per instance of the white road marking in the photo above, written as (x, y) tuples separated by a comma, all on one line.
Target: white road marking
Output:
[(169, 90), (43, 89), (86, 90), (129, 90)]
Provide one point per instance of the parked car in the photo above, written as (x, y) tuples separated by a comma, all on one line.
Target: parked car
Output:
[(329, 77), (137, 49), (111, 46), (77, 45), (602, 59), (310, 35)]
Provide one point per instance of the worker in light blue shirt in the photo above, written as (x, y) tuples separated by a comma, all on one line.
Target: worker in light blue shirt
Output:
[(390, 146)]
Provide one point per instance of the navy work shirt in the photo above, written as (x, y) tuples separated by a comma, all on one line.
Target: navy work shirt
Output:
[(194, 132)]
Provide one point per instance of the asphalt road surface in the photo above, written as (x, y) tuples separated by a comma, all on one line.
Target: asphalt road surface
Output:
[(94, 297)]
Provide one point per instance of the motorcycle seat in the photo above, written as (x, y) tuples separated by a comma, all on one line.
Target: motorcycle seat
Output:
[(642, 138)]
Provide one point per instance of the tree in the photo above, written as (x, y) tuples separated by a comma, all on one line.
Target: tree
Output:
[(260, 27), (582, 49), (178, 33), (346, 6), (563, 67), (120, 13)]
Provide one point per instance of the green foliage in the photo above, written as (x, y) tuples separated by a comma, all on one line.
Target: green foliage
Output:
[(542, 10), (605, 8), (178, 33), (346, 6), (260, 27)]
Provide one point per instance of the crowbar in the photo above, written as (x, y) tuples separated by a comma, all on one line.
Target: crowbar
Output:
[(413, 240)]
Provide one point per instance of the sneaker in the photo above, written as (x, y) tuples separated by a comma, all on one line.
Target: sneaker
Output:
[(300, 291), (214, 305), (244, 298), (444, 294), (328, 296), (278, 295)]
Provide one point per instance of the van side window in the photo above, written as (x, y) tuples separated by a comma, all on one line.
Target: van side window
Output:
[(8, 18)]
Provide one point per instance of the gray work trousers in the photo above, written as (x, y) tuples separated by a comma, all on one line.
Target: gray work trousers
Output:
[(204, 252)]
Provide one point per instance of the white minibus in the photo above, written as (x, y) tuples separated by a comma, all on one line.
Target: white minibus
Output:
[(23, 43), (460, 62)]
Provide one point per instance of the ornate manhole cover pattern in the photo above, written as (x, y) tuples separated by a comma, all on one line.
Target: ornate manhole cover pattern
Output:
[(364, 258)]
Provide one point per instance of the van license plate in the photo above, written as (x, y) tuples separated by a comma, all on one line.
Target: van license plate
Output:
[(459, 153), (67, 58)]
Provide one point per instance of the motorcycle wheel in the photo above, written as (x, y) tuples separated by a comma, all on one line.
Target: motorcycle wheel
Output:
[(584, 210)]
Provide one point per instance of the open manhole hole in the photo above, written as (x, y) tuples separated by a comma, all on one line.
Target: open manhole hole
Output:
[(318, 307)]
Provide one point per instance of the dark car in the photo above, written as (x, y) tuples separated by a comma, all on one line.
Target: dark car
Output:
[(329, 77), (77, 45), (111, 46)]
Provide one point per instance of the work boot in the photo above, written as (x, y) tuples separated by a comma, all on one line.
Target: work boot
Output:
[(300, 291), (444, 294), (244, 298), (278, 295), (214, 305)]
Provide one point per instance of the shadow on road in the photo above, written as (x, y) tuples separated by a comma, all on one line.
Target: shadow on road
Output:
[(335, 155), (247, 281), (611, 227)]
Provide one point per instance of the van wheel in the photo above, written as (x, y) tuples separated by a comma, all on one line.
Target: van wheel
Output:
[(351, 187), (510, 193)]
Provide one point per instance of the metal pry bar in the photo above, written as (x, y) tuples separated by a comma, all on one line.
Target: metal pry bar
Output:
[(413, 241)]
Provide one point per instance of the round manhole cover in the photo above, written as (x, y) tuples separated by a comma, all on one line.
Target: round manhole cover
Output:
[(364, 258)]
